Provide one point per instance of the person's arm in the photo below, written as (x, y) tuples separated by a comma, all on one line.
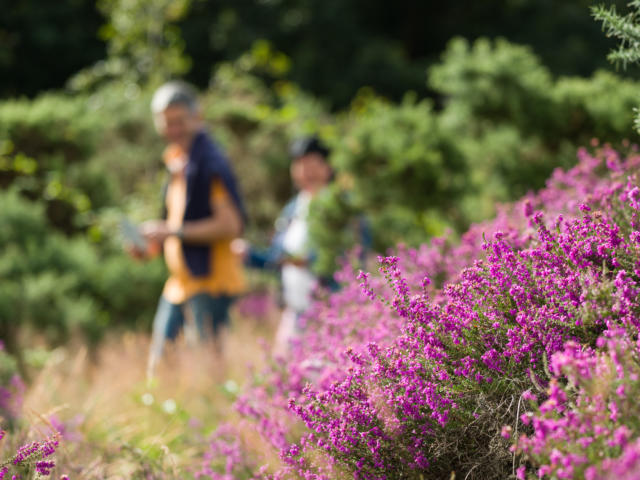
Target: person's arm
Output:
[(225, 223), (265, 259)]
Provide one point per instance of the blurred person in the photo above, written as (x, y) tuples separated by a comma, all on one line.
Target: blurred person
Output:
[(291, 251), (203, 213)]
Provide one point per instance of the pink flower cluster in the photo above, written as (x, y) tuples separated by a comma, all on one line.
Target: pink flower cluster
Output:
[(11, 387), (587, 425), (416, 370), (35, 457), (224, 459), (32, 457)]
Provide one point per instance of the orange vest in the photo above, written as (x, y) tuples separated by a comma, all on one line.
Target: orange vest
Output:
[(227, 275)]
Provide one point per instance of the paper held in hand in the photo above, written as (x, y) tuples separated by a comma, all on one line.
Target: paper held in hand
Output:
[(131, 234)]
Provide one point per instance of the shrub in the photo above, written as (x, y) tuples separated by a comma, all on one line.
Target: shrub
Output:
[(501, 126), (418, 380), (60, 285), (586, 425)]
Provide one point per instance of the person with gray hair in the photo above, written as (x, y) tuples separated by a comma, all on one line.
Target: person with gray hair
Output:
[(173, 93), (176, 94), (204, 212)]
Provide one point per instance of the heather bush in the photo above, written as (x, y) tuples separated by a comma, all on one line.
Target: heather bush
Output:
[(31, 460), (20, 457), (225, 458), (11, 389), (586, 425), (414, 378)]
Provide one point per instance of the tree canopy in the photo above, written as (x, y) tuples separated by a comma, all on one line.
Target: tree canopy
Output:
[(334, 46)]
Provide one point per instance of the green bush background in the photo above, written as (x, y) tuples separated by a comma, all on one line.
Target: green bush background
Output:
[(73, 161)]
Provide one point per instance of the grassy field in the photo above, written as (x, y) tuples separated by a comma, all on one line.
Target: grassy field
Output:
[(115, 423)]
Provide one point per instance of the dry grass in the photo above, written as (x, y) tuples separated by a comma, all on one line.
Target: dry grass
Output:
[(129, 427)]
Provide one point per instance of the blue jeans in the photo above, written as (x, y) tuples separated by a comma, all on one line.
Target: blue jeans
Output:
[(207, 311)]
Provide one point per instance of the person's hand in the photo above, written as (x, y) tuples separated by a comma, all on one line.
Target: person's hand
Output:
[(155, 231), (136, 252), (297, 261), (152, 250), (240, 247)]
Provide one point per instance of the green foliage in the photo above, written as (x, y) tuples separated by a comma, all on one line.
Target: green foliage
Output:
[(626, 29), (44, 145), (336, 225), (44, 43), (57, 285), (405, 178), (35, 291), (506, 123), (355, 43), (410, 169), (496, 81), (256, 123), (144, 43), (61, 124), (83, 160), (77, 161), (369, 43), (515, 123)]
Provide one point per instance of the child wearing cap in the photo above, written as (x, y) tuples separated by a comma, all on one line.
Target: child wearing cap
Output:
[(290, 251)]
